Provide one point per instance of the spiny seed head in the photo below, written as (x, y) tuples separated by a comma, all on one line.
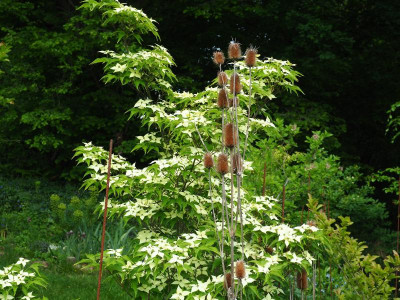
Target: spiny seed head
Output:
[(234, 103), (222, 164), (235, 85), (240, 269), (228, 281), (222, 78), (251, 57), (234, 51), (230, 135), (302, 280), (269, 249), (311, 223), (208, 161), (222, 99), (219, 57), (237, 163)]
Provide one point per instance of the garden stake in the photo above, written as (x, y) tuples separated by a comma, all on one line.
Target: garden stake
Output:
[(397, 244), (283, 202), (314, 267), (105, 218)]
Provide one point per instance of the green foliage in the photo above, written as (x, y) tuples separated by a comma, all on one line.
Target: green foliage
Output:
[(317, 172), (355, 275), (54, 100), (176, 250), (394, 120), (87, 240), (19, 280), (25, 202), (72, 215)]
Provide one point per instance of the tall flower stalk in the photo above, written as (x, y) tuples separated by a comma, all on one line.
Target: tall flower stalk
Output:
[(230, 139)]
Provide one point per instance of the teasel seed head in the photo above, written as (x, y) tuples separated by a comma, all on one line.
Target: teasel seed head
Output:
[(269, 249), (219, 57), (237, 163), (222, 99), (251, 57), (222, 78), (240, 269), (232, 103), (311, 223), (222, 164), (228, 281), (230, 135), (234, 51), (208, 160), (302, 280), (235, 85)]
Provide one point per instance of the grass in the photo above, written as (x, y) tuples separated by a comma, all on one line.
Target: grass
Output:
[(79, 287)]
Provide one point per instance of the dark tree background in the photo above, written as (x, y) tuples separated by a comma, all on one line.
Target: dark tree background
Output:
[(346, 50)]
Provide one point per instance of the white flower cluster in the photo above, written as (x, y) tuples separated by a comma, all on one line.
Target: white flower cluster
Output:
[(140, 208), (150, 138), (14, 276)]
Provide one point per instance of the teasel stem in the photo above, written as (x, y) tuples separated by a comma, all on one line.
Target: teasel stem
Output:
[(201, 139), (220, 241), (248, 118), (240, 168), (222, 222), (232, 229), (105, 217)]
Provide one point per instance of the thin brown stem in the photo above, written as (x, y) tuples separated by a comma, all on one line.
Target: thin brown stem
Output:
[(105, 217), (264, 178), (283, 202), (248, 118), (397, 242)]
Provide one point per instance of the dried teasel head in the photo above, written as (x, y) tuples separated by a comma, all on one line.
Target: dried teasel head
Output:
[(230, 135), (222, 164), (237, 163), (235, 85), (302, 280), (218, 57), (234, 51), (311, 223), (222, 99), (240, 269), (228, 281), (208, 160), (269, 250), (234, 103), (222, 78), (251, 57)]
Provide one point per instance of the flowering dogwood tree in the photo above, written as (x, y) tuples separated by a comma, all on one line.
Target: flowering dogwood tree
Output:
[(184, 239)]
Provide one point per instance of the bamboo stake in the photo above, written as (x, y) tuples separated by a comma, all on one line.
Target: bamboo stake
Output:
[(104, 218), (397, 244), (283, 202)]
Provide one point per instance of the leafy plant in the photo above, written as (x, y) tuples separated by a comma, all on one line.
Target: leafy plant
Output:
[(19, 280)]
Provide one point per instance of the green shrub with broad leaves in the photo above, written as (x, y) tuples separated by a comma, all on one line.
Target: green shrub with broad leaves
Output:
[(176, 203), (19, 280)]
